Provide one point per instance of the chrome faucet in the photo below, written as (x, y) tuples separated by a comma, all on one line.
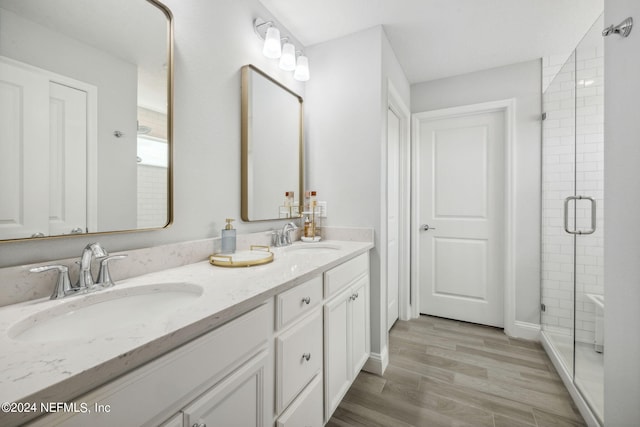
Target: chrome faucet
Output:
[(85, 278), (85, 282), (285, 235)]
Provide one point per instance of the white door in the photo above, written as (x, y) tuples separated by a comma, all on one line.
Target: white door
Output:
[(393, 223), (24, 159), (460, 169), (67, 160), (43, 157)]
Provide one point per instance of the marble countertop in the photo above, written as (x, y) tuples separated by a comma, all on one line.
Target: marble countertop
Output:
[(61, 370)]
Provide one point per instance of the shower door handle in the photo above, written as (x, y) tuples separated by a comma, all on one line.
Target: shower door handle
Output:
[(593, 215)]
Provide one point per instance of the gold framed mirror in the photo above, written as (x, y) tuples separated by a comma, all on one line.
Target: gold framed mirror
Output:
[(272, 148), (85, 117)]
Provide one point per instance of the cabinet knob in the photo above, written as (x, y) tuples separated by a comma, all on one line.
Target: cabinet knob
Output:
[(306, 300), (306, 356)]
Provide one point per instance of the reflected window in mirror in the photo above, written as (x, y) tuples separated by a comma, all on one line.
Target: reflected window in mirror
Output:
[(272, 148), (82, 85)]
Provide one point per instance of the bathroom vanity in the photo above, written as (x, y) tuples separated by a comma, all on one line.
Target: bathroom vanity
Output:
[(277, 344)]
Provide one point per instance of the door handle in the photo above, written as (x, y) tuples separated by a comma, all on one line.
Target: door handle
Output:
[(425, 227), (593, 215)]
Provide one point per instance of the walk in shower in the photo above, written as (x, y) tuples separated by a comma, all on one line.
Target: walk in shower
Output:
[(572, 218)]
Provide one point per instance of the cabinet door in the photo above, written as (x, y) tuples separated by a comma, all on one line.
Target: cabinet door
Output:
[(237, 401), (337, 368), (359, 328), (298, 358)]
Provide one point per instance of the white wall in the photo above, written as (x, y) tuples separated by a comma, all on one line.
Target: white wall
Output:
[(116, 80), (622, 204), (343, 145), (213, 39), (523, 82), (346, 125)]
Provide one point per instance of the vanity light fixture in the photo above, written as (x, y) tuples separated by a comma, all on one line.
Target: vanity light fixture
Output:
[(288, 58), (274, 49), (302, 68), (271, 35)]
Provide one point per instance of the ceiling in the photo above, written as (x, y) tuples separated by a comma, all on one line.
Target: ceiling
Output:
[(440, 38)]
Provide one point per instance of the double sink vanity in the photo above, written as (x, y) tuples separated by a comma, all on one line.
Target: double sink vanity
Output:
[(195, 345)]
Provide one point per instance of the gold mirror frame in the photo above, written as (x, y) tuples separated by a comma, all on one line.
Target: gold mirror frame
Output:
[(245, 139), (170, 88)]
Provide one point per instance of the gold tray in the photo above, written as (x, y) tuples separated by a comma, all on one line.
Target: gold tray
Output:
[(257, 255)]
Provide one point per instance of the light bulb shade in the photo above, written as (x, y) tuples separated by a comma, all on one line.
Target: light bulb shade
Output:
[(272, 48), (302, 69), (288, 58)]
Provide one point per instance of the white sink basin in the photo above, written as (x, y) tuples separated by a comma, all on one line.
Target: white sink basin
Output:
[(313, 247), (92, 315)]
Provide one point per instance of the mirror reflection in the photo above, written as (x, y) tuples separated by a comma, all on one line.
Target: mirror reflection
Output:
[(85, 117), (272, 148)]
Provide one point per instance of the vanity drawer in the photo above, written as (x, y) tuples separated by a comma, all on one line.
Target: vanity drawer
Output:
[(306, 410), (298, 358), (340, 276), (297, 301)]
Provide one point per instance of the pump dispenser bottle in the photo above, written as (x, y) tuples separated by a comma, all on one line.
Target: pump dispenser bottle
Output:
[(228, 238)]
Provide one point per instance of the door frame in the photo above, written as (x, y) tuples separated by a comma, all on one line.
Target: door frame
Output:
[(397, 105), (508, 107)]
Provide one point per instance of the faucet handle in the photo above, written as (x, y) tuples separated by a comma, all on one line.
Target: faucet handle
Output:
[(275, 238), (104, 278), (63, 285)]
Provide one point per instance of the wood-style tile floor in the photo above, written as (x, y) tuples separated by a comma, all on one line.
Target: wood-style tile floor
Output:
[(447, 373)]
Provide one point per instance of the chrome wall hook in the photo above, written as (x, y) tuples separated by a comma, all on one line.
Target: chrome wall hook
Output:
[(623, 28)]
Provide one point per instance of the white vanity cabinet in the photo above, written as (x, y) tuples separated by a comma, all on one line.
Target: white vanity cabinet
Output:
[(220, 377), (286, 363), (346, 328)]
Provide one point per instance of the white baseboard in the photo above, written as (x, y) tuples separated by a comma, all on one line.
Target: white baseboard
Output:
[(377, 362), (524, 330)]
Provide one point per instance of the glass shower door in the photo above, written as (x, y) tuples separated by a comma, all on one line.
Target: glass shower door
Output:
[(589, 249), (558, 182), (572, 218)]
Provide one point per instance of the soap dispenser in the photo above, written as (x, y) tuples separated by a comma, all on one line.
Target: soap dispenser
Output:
[(228, 238)]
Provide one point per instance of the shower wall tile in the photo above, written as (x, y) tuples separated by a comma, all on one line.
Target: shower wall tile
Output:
[(152, 196)]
